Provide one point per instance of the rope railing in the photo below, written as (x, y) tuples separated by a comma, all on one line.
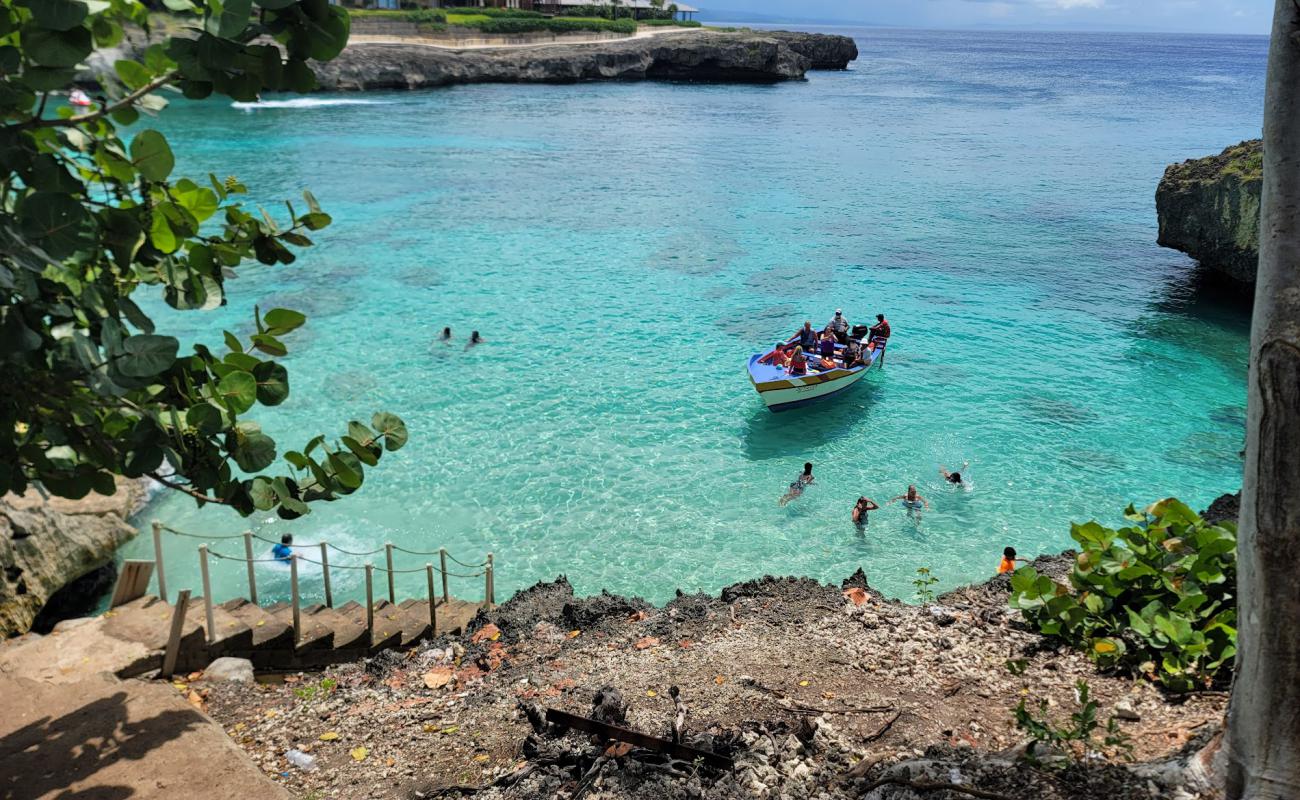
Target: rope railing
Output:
[(483, 570)]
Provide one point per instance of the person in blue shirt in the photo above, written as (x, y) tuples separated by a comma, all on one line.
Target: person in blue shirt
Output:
[(283, 551)]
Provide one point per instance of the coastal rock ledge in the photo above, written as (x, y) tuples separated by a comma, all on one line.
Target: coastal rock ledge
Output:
[(1209, 209), (736, 57)]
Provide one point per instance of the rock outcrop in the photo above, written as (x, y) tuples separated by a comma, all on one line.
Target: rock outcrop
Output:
[(47, 544), (740, 57), (825, 51), (1209, 209)]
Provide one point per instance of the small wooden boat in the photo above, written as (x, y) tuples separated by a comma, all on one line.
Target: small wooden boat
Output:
[(782, 391)]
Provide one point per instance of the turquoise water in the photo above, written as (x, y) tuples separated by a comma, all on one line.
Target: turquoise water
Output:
[(624, 249)]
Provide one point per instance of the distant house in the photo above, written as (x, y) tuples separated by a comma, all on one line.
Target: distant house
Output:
[(638, 8)]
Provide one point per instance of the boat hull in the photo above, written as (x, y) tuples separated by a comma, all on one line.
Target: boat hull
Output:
[(781, 392)]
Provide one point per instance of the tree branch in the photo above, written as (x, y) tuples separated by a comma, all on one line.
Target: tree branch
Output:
[(934, 787), (70, 122), (186, 490)]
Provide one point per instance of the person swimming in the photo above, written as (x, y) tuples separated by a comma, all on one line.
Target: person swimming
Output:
[(798, 485), (912, 501), (860, 510), (283, 552), (953, 477), (1008, 561), (474, 339), (445, 335)]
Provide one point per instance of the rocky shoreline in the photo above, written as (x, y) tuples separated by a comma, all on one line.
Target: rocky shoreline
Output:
[(712, 56), (1209, 209)]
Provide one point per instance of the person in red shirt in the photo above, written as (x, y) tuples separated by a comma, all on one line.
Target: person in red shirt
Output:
[(798, 362), (881, 329), (777, 357), (1008, 561)]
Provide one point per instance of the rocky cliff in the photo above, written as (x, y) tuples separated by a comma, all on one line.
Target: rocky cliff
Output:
[(696, 55), (1209, 209), (46, 545)]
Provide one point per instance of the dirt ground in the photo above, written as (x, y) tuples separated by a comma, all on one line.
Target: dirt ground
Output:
[(817, 691)]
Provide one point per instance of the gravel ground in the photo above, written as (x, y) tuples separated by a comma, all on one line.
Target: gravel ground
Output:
[(817, 691)]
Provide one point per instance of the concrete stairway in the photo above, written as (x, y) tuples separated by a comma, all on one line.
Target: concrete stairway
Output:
[(266, 637)]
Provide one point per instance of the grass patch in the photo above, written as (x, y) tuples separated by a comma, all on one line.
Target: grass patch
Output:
[(672, 23)]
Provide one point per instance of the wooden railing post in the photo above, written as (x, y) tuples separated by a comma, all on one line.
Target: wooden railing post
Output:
[(325, 573), (442, 558), (174, 637), (252, 577), (207, 593), (487, 585), (433, 602), (370, 604), (158, 561), (492, 581), (388, 557), (297, 605)]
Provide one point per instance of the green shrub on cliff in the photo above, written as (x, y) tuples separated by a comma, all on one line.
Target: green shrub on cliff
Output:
[(488, 11), (509, 25), (678, 23), (90, 215), (1157, 597)]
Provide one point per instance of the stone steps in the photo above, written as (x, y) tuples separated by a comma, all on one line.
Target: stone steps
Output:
[(266, 636)]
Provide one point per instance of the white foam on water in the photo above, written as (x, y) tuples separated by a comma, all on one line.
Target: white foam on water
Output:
[(307, 102)]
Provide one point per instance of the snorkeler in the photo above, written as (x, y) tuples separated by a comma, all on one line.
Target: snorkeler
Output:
[(798, 485), (912, 501), (860, 510), (953, 477)]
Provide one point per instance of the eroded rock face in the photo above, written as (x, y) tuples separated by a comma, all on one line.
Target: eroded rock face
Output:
[(43, 549), (1209, 209), (695, 55)]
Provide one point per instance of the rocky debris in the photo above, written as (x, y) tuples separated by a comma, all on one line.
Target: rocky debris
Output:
[(825, 51), (1226, 508), (814, 694), (740, 57), (45, 545), (1209, 209), (238, 670)]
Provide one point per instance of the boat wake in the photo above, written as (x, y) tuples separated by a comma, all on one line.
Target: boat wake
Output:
[(307, 102)]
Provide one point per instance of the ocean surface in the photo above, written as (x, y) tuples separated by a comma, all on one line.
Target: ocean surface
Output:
[(624, 248)]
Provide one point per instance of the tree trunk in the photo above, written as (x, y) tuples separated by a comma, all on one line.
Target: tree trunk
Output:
[(1264, 718)]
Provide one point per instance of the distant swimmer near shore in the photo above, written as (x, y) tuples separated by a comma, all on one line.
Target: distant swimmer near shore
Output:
[(912, 501), (474, 339), (797, 485), (445, 335)]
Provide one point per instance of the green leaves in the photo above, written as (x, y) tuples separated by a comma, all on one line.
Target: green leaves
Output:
[(393, 430), (279, 321), (56, 48), (1155, 597), (57, 15), (147, 355), (238, 390), (151, 155), (57, 223)]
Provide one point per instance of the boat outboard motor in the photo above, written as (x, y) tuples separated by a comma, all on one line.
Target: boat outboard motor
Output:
[(860, 332)]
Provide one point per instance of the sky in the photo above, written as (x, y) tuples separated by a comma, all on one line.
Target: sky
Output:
[(1200, 16)]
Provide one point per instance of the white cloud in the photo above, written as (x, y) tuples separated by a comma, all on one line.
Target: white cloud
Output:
[(1070, 5)]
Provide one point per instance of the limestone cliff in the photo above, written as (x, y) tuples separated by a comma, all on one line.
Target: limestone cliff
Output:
[(1209, 209), (694, 55), (47, 544)]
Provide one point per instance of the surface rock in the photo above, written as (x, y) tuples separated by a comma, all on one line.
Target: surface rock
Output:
[(1209, 209), (239, 670)]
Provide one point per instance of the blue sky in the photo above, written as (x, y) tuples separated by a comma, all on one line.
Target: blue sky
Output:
[(1210, 16)]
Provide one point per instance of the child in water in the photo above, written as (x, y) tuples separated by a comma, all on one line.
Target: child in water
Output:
[(282, 551), (860, 510), (1008, 561), (798, 485)]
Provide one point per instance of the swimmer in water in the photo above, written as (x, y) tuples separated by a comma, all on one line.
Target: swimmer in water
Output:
[(864, 505), (474, 339), (954, 478), (912, 501), (798, 485), (283, 552), (446, 334)]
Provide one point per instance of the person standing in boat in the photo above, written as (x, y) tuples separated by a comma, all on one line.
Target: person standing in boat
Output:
[(839, 326), (807, 337), (798, 362), (797, 486)]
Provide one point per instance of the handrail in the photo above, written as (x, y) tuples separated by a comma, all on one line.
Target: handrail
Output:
[(215, 554)]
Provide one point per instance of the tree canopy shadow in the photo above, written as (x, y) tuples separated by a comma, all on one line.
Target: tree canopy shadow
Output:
[(48, 756)]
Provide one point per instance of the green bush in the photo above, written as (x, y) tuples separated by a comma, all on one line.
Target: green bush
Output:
[(507, 13), (508, 25), (680, 23), (1079, 739), (419, 15), (1157, 597)]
